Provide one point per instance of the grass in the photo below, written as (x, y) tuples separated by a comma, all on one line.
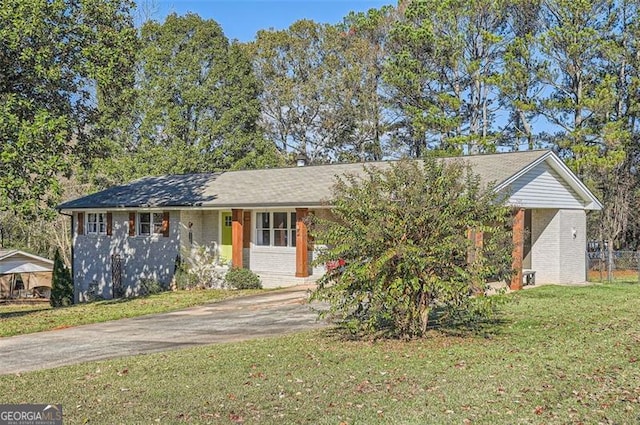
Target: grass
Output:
[(558, 355), (16, 319)]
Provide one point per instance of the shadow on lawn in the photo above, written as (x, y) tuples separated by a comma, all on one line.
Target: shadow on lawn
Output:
[(20, 313), (483, 328), (440, 322)]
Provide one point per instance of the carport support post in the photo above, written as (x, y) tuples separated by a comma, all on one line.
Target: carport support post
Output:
[(302, 256), (236, 238), (518, 249)]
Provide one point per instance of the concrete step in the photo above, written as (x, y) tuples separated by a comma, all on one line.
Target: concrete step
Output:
[(275, 280)]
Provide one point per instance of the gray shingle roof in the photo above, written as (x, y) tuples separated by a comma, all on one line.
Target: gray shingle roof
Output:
[(296, 186)]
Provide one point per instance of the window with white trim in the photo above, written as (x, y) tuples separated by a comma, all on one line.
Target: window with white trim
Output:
[(276, 229), (150, 223), (96, 224)]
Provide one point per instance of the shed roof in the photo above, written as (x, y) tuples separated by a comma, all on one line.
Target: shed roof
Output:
[(295, 186), (16, 261)]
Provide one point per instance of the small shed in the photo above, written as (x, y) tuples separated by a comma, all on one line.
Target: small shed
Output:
[(24, 275)]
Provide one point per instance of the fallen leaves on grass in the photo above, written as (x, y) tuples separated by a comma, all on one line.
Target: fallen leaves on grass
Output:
[(233, 417)]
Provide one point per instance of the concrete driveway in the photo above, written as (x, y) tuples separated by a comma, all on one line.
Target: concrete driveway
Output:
[(274, 313)]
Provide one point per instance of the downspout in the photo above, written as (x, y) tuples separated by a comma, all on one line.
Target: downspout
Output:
[(73, 275)]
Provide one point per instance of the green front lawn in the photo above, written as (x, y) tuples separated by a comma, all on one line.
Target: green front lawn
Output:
[(559, 355), (16, 319)]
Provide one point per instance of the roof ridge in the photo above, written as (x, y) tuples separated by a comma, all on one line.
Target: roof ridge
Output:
[(382, 161)]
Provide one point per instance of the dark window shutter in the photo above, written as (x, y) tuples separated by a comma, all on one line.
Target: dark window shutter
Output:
[(109, 224), (80, 224), (132, 224), (165, 224)]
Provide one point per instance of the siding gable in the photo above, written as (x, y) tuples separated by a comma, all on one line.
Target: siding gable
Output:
[(543, 187)]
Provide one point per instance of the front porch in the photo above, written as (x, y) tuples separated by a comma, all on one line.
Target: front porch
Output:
[(273, 243)]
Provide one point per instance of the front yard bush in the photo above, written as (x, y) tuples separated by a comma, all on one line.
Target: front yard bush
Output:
[(239, 278), (402, 237), (200, 268), (184, 280)]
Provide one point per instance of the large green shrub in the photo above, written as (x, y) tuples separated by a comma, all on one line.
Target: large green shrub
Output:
[(239, 278), (399, 236), (62, 283)]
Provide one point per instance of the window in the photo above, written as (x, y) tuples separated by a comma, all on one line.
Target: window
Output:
[(276, 229), (292, 228), (96, 224), (263, 225), (150, 223)]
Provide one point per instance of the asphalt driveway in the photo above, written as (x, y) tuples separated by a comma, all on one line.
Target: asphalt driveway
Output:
[(274, 313)]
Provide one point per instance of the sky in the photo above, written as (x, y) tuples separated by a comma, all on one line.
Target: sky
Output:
[(241, 19)]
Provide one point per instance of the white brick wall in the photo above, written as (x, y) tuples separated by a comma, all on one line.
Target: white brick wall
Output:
[(187, 217), (572, 249), (271, 259), (210, 228), (545, 246), (150, 257), (556, 256), (204, 229)]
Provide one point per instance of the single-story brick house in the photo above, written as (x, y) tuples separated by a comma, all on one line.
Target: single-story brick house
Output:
[(255, 219)]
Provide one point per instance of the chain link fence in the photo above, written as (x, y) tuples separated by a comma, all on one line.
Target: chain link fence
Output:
[(618, 266)]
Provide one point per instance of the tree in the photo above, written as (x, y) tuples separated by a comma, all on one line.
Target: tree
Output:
[(195, 104), (591, 48), (366, 45), (443, 74), (62, 283), (53, 56), (293, 67), (574, 41), (42, 235), (320, 88), (519, 84), (398, 239)]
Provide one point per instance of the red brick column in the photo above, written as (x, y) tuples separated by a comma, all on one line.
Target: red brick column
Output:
[(302, 256), (237, 221), (518, 249)]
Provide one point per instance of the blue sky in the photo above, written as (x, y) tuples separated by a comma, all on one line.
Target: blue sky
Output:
[(241, 19)]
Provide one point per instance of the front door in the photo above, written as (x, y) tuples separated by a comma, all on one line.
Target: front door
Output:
[(225, 244)]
